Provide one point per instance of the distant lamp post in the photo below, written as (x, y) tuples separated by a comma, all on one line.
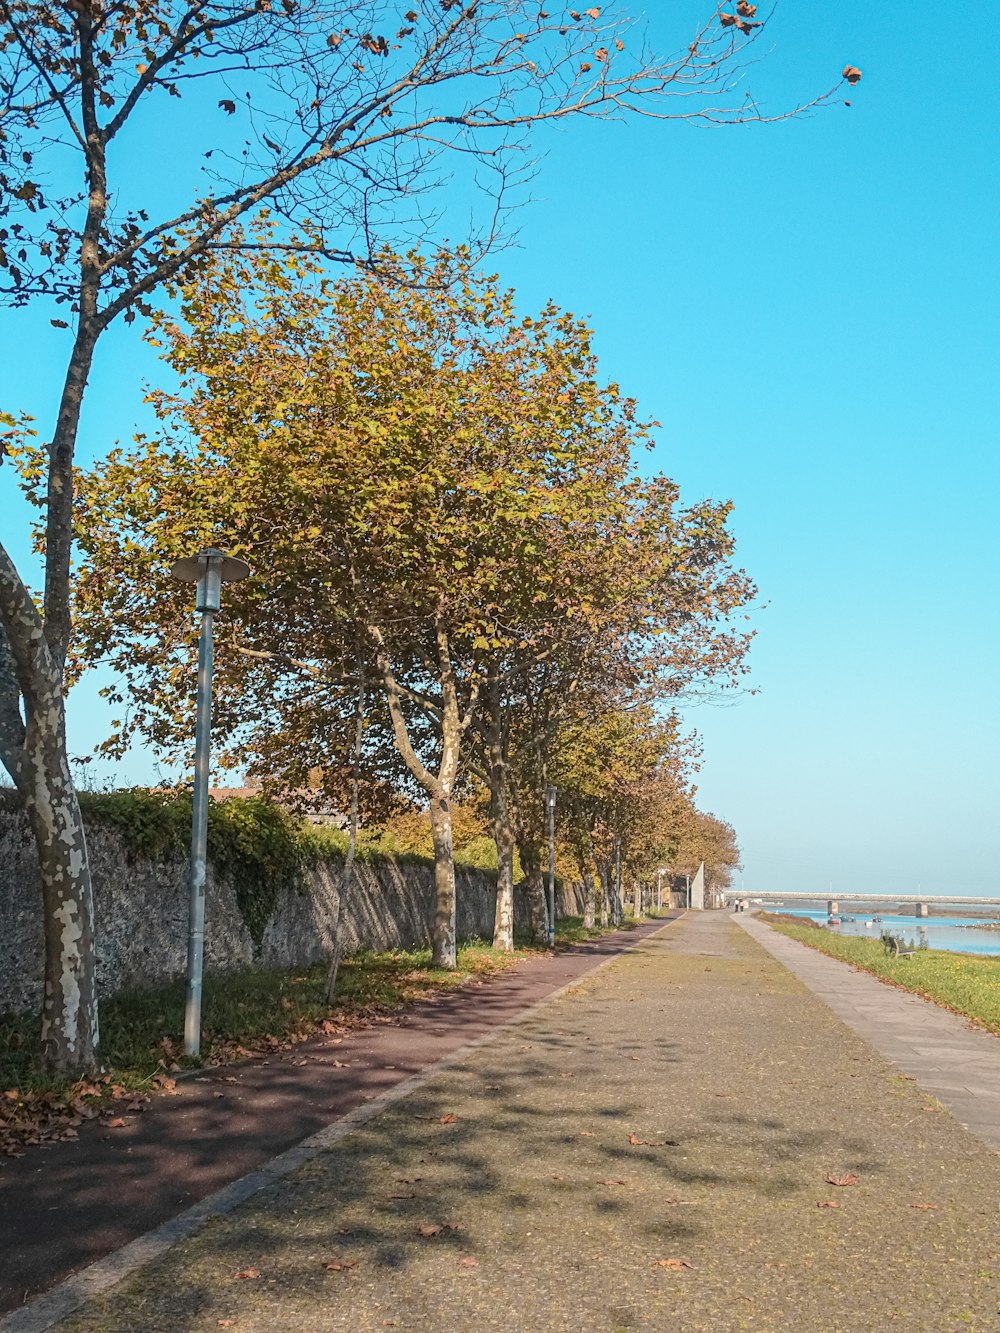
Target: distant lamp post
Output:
[(550, 811), (209, 569), (659, 888)]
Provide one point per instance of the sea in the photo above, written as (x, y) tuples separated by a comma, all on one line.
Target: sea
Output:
[(959, 934)]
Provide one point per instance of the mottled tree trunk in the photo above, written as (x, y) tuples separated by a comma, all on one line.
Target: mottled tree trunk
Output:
[(347, 874), (534, 886), (33, 750), (604, 874), (589, 898), (444, 953), (503, 834)]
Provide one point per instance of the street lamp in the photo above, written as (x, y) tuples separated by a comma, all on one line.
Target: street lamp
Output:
[(209, 569), (550, 810), (659, 888)]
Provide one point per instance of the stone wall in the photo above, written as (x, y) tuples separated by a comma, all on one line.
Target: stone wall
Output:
[(142, 913)]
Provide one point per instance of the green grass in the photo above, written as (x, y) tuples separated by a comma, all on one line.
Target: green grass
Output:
[(254, 1009), (965, 983)]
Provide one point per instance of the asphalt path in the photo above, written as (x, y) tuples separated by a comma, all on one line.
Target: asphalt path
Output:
[(63, 1207)]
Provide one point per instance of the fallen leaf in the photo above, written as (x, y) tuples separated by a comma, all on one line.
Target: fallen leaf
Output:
[(469, 1261), (612, 1182), (925, 1207), (848, 1178), (247, 1273), (448, 1119), (117, 1123), (218, 1094), (675, 1264), (586, 1134), (341, 1265), (636, 1142), (827, 1203), (429, 1229)]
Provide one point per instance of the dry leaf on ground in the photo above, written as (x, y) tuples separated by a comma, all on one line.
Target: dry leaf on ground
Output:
[(468, 1261), (827, 1203), (341, 1265), (636, 1142), (925, 1207), (675, 1264), (246, 1273), (848, 1178)]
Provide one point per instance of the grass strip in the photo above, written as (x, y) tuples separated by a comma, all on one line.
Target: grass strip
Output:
[(967, 984), (251, 1011)]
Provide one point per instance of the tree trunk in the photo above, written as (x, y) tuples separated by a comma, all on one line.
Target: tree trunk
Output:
[(503, 834), (70, 1036), (589, 899), (604, 874), (535, 888), (444, 953), (34, 753), (494, 733), (346, 875)]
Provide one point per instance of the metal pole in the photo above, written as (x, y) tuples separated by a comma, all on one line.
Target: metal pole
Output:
[(659, 890), (550, 801), (199, 831)]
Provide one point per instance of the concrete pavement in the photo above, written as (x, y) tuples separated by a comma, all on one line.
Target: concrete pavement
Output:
[(686, 1139), (948, 1057)]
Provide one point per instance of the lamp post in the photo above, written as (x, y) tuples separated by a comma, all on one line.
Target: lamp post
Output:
[(550, 811), (659, 888), (209, 569)]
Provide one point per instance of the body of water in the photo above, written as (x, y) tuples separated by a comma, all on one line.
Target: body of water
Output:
[(957, 933)]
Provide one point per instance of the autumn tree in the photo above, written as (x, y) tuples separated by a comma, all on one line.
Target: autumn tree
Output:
[(338, 111), (419, 477)]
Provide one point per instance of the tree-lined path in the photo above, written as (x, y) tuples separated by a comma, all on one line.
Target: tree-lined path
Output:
[(685, 1139)]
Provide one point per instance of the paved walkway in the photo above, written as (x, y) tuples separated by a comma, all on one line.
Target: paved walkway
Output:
[(686, 1139), (66, 1206), (957, 1063)]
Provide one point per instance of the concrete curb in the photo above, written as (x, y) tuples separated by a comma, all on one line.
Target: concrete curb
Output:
[(66, 1297)]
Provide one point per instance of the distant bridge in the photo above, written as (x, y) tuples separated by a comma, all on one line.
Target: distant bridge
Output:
[(919, 906)]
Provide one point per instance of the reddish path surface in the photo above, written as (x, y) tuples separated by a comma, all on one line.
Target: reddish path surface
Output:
[(63, 1207)]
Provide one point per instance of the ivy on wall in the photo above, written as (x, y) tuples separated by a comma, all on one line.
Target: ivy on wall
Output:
[(262, 848)]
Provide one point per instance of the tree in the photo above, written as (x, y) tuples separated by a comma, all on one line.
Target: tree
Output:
[(346, 114), (416, 473)]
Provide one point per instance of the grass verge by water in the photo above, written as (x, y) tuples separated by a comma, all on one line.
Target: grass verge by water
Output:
[(964, 983)]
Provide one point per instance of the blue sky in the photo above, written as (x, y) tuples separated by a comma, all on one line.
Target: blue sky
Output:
[(811, 309)]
